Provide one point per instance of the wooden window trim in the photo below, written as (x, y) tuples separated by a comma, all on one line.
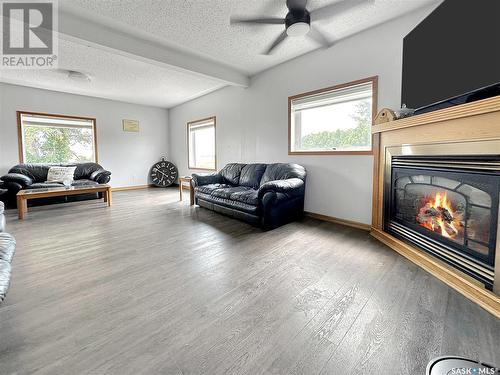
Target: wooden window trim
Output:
[(20, 129), (214, 119), (374, 82)]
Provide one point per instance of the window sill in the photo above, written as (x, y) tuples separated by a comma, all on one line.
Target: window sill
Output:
[(203, 169), (330, 152)]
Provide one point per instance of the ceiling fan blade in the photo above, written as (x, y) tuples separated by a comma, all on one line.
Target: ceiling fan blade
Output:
[(296, 4), (319, 37), (336, 8), (260, 21), (276, 42)]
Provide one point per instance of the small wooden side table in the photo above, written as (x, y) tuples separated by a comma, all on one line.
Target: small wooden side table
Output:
[(186, 180)]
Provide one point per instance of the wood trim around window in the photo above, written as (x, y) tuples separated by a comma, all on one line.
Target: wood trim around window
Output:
[(374, 82), (214, 119), (20, 131)]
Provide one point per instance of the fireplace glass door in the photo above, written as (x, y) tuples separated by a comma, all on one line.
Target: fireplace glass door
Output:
[(456, 209)]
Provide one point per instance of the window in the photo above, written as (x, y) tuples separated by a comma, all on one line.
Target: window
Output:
[(201, 144), (336, 120), (55, 139)]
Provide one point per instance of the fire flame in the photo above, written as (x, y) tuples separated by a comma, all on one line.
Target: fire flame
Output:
[(439, 202)]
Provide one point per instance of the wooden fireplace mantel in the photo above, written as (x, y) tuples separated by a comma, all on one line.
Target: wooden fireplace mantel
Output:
[(479, 121)]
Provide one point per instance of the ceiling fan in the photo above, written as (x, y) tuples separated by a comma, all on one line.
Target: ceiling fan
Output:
[(298, 20)]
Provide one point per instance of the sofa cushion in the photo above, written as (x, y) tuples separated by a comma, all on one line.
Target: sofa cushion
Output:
[(283, 171), (229, 203), (207, 189), (228, 191), (85, 170), (249, 196), (37, 172), (231, 173), (250, 217), (7, 247), (251, 175)]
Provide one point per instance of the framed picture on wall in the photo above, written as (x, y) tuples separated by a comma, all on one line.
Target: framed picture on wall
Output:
[(130, 125)]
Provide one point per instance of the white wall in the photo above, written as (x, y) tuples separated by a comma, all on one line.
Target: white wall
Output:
[(127, 155), (252, 123)]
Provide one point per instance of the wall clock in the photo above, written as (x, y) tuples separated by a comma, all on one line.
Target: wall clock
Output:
[(163, 173)]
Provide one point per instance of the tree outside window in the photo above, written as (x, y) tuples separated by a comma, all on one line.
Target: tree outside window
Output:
[(54, 140)]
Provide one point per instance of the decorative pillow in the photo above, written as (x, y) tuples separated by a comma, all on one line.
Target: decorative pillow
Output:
[(60, 174)]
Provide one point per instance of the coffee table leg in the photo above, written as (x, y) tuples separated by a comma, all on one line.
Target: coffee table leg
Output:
[(109, 196), (22, 207)]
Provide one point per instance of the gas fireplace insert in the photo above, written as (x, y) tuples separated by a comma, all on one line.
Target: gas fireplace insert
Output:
[(447, 205)]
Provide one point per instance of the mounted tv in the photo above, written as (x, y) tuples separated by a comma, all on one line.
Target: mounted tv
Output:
[(452, 56)]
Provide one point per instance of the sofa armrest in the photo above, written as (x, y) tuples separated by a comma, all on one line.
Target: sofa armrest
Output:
[(101, 176), (291, 186), (19, 178), (206, 179)]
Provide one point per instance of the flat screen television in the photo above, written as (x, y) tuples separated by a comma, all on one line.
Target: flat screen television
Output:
[(454, 51)]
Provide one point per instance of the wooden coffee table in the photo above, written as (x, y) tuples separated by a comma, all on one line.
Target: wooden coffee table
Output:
[(24, 195)]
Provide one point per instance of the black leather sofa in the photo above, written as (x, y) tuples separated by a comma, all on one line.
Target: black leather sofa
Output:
[(267, 195), (7, 250), (34, 176)]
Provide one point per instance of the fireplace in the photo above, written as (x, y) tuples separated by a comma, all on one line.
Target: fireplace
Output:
[(446, 204)]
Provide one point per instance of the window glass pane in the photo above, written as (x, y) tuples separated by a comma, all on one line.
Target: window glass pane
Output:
[(338, 120), (202, 144), (57, 140)]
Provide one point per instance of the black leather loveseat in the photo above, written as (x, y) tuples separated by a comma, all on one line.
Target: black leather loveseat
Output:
[(34, 176), (268, 195)]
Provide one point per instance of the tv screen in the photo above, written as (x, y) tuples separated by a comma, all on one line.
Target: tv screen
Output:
[(455, 50)]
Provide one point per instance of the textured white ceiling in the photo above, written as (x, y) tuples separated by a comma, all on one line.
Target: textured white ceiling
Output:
[(198, 27), (115, 77), (203, 25)]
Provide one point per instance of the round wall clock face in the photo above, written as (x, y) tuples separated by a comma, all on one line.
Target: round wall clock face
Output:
[(163, 173)]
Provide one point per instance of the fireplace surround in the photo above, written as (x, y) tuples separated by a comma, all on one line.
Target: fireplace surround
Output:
[(436, 195), (443, 198)]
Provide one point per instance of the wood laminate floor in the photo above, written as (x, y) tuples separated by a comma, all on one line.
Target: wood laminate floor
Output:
[(154, 286)]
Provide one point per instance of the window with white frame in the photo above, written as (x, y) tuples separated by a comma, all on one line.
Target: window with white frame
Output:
[(335, 120), (56, 139), (201, 144)]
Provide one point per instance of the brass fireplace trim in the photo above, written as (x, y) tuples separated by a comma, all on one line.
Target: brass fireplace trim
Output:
[(452, 148), (462, 148)]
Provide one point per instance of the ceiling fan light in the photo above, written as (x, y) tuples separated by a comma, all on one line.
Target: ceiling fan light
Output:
[(298, 29)]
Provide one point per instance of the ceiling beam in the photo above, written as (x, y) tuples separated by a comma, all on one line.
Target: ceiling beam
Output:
[(142, 46)]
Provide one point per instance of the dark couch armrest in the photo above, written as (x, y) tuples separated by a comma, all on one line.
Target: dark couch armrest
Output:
[(19, 178), (101, 176), (291, 186), (206, 179)]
